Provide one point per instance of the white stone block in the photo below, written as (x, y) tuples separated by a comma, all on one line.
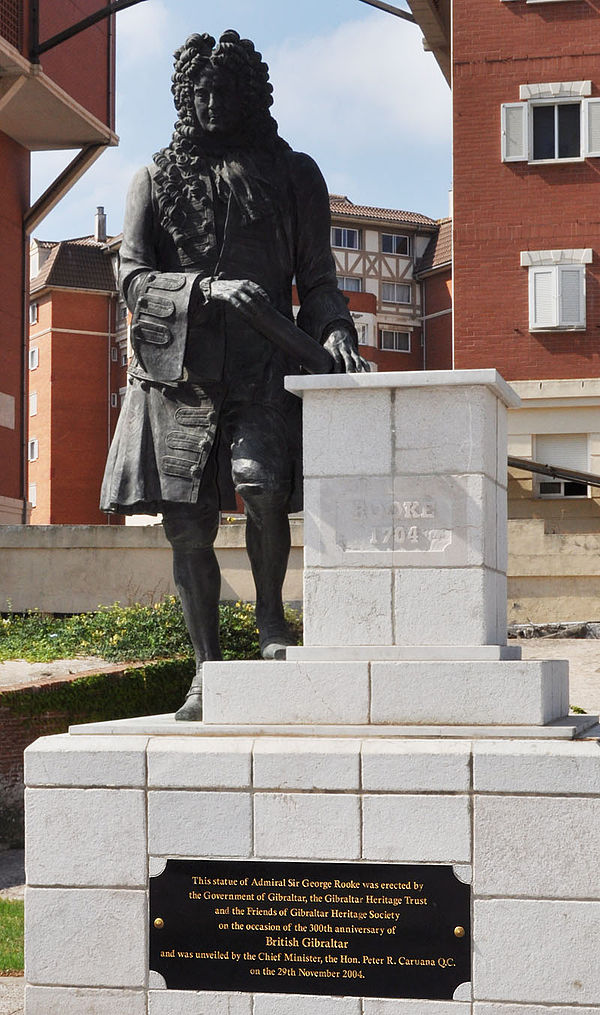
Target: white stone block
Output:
[(199, 824), (540, 952), (446, 606), (408, 521), (64, 760), (501, 530), (301, 1004), (417, 829), (502, 443), (83, 1001), (348, 433), (402, 766), (188, 1002), (282, 692), (532, 767), (72, 837), (94, 937), (199, 763), (506, 692), (445, 430), (487, 1008), (349, 607), (286, 763), (537, 846), (310, 826), (392, 1006)]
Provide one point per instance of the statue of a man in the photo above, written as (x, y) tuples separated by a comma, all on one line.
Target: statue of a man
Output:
[(220, 224)]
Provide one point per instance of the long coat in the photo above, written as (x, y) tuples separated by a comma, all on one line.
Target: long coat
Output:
[(268, 221)]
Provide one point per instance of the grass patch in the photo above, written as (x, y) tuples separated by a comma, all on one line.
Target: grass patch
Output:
[(130, 633), (11, 936)]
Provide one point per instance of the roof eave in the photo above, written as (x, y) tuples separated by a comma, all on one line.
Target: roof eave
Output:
[(433, 18)]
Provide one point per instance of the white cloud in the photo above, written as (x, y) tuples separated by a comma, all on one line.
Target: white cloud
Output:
[(367, 79), (141, 31)]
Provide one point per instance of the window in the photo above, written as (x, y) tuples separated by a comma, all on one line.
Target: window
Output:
[(124, 360), (554, 123), (349, 284), (394, 341), (395, 292), (33, 448), (34, 358), (33, 313), (567, 450), (32, 494), (114, 401), (33, 403), (394, 243), (556, 288), (123, 311), (345, 238), (114, 354), (362, 331)]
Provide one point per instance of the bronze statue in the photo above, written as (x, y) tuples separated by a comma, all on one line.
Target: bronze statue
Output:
[(216, 229)]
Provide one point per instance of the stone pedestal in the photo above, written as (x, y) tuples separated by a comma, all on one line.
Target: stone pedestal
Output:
[(405, 730)]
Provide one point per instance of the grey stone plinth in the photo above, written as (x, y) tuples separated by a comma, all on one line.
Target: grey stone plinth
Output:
[(405, 508), (455, 692)]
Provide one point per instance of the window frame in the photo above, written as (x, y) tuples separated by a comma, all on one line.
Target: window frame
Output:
[(520, 149), (33, 449), (393, 331), (33, 403), (397, 236), (353, 278), (540, 478), (397, 302), (32, 494), (557, 322), (34, 312), (345, 230), (555, 103), (34, 357)]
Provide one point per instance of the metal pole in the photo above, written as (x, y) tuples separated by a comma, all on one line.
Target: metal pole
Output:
[(93, 19), (391, 10)]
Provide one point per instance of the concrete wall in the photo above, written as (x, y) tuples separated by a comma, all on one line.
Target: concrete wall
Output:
[(552, 576), (73, 568)]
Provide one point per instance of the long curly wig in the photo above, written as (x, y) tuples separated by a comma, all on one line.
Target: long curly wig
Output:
[(180, 187)]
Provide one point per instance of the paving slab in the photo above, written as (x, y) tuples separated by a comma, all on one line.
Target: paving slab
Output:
[(12, 995)]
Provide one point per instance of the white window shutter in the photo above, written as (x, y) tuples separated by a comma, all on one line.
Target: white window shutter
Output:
[(542, 298), (571, 295), (591, 128), (514, 132), (569, 451)]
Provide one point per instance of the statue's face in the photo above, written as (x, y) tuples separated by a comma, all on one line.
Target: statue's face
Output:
[(217, 103)]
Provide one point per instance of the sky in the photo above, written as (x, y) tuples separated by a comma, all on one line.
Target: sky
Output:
[(353, 87)]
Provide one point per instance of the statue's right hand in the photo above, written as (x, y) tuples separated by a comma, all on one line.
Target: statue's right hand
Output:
[(243, 295)]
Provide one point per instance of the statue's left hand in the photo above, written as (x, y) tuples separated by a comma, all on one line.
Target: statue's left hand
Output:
[(343, 346)]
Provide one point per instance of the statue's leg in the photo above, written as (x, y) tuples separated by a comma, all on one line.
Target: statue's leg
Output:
[(262, 476), (191, 530)]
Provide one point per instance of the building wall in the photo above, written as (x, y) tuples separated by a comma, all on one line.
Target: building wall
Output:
[(14, 195), (83, 65), (75, 420), (437, 325), (501, 209)]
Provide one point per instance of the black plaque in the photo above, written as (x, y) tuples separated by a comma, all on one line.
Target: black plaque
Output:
[(364, 930)]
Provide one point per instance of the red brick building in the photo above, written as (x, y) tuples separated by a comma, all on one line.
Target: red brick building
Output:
[(56, 98), (525, 77), (77, 374)]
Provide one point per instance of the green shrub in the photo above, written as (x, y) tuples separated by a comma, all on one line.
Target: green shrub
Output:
[(126, 633)]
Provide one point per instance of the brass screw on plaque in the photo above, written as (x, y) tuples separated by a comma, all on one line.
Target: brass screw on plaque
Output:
[(159, 923), (459, 932)]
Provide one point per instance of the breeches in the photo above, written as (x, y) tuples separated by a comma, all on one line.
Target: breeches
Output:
[(261, 470)]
